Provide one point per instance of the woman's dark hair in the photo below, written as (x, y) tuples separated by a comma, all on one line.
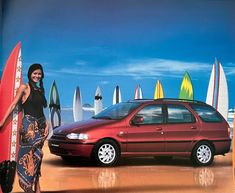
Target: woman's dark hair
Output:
[(32, 68)]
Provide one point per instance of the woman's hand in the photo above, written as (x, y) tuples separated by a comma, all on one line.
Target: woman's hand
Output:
[(46, 132)]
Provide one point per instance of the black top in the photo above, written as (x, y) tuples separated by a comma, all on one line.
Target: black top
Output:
[(34, 103)]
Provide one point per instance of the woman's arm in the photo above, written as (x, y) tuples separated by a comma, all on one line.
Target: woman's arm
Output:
[(20, 92)]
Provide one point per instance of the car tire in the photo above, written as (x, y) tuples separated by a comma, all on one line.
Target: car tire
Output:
[(106, 153), (202, 154)]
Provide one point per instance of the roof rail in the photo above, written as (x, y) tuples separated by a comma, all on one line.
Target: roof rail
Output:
[(169, 99), (183, 100)]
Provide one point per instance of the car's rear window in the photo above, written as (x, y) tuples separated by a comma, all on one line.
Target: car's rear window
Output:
[(207, 113)]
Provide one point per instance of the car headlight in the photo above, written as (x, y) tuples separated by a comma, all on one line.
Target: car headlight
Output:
[(80, 136)]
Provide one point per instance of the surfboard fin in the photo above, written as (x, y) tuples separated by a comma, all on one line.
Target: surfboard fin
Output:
[(7, 175)]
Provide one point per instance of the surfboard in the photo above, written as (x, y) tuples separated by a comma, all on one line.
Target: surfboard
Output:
[(138, 92), (117, 98), (54, 106), (98, 105), (77, 105), (158, 91), (217, 93), (10, 82), (186, 88)]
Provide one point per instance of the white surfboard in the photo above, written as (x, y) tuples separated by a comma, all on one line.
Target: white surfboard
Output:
[(138, 92), (117, 97), (217, 93), (98, 104), (77, 105)]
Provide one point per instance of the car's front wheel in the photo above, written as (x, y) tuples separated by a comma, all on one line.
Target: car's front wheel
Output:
[(203, 154), (106, 153)]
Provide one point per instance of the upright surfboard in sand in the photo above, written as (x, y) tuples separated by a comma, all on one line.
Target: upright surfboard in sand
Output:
[(10, 82), (98, 105), (77, 105), (138, 92), (117, 97), (55, 111), (186, 88), (158, 91), (217, 93)]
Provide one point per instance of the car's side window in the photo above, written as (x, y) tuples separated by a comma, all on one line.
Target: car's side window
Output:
[(152, 114), (179, 114), (207, 113)]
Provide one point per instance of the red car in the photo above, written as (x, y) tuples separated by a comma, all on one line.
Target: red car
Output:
[(162, 127)]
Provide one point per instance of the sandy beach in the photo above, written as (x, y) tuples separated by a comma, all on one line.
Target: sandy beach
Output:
[(134, 175)]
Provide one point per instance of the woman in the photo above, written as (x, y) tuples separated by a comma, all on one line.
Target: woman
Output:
[(34, 128)]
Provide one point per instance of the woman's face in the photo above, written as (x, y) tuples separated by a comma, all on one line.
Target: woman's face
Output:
[(36, 75)]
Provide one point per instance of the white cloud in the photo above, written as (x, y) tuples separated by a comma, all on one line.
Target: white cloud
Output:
[(230, 69), (144, 68)]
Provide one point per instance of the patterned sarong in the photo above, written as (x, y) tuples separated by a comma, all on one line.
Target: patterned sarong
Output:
[(30, 153)]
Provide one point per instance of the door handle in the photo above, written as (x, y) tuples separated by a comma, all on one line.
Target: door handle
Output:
[(193, 127), (158, 128)]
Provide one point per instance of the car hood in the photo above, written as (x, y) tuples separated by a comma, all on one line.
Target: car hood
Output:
[(82, 126)]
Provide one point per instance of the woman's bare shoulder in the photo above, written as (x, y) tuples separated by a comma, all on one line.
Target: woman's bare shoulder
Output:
[(24, 87)]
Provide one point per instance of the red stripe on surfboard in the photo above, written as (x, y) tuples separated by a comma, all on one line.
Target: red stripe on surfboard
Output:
[(136, 92), (214, 84), (217, 97)]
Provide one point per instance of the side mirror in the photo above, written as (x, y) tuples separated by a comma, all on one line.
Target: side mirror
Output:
[(137, 120)]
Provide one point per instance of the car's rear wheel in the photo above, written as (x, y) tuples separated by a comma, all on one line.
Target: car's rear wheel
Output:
[(106, 153), (203, 154)]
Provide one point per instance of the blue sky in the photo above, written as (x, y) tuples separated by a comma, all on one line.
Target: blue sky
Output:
[(87, 43)]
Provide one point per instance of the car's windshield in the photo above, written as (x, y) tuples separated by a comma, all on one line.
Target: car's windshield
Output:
[(117, 111)]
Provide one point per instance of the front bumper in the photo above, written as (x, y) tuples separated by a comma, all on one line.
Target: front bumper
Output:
[(62, 147)]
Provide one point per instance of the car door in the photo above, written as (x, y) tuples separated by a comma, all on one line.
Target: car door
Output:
[(181, 129), (147, 135)]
